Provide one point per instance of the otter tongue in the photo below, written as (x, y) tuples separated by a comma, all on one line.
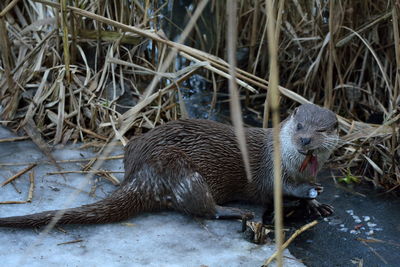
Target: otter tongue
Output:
[(312, 160), (314, 165)]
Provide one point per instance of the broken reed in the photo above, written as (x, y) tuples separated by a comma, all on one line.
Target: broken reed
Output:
[(340, 54)]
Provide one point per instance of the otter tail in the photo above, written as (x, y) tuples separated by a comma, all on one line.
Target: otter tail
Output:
[(121, 205)]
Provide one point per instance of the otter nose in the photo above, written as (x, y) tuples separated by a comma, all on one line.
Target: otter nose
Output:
[(305, 140)]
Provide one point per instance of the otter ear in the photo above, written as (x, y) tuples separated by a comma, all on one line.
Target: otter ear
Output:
[(295, 111)]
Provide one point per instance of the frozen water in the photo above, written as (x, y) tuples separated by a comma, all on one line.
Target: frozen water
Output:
[(157, 239)]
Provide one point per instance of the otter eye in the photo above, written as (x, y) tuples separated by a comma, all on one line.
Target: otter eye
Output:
[(299, 126)]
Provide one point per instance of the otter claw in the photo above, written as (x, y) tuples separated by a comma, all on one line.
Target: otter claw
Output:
[(318, 209), (314, 211), (326, 210), (319, 188)]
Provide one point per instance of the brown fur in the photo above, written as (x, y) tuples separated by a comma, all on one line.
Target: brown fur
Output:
[(194, 166)]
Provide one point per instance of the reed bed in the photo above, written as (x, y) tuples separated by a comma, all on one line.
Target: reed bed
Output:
[(78, 71)]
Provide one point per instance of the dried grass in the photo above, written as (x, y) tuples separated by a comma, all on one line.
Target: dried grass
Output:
[(272, 102), (66, 71)]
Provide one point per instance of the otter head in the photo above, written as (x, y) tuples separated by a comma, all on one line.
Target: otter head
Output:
[(314, 129)]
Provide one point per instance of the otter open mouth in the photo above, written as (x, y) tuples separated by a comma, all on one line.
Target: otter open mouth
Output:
[(311, 160)]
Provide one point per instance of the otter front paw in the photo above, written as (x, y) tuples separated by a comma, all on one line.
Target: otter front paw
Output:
[(319, 209)]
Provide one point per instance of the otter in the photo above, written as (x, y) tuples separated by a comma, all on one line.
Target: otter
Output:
[(195, 166)]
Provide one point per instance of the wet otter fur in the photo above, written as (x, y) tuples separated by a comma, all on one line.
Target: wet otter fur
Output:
[(195, 166)]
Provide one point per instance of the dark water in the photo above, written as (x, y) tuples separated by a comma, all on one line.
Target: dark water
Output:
[(363, 228)]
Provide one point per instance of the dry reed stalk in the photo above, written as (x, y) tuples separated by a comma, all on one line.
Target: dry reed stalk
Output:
[(396, 35), (274, 96), (64, 25), (18, 174), (80, 172), (62, 161), (70, 242), (12, 202), (11, 107), (236, 114), (31, 186), (254, 33), (13, 139), (291, 238)]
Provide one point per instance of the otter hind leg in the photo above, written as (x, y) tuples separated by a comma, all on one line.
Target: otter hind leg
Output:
[(192, 196), (188, 191), (182, 188)]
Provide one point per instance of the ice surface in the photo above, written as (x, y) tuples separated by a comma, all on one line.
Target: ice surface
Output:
[(157, 239)]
